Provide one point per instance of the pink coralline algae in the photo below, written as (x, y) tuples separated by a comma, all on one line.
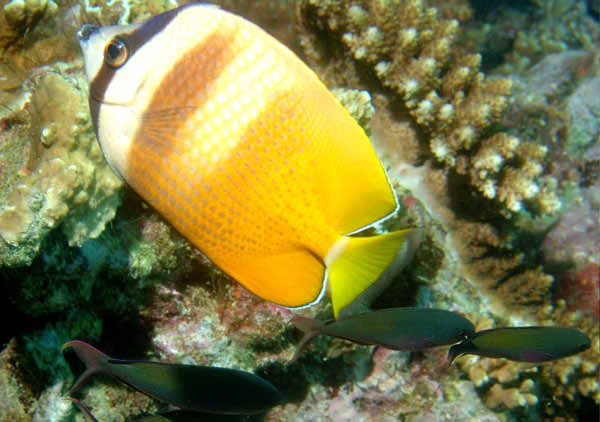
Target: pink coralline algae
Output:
[(581, 290)]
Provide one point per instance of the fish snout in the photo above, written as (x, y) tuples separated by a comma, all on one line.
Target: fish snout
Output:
[(84, 33)]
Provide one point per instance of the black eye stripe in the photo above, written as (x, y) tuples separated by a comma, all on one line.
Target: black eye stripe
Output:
[(134, 41)]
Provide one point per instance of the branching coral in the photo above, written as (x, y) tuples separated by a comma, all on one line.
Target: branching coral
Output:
[(531, 286), (358, 104), (515, 183)]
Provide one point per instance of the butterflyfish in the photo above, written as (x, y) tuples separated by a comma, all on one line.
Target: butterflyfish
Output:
[(188, 387), (239, 145), (523, 344), (407, 329)]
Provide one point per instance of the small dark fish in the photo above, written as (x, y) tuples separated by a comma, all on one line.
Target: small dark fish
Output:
[(189, 387), (523, 344), (396, 328)]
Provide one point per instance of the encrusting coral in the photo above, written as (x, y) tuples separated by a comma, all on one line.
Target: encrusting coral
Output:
[(63, 178), (18, 17), (415, 53)]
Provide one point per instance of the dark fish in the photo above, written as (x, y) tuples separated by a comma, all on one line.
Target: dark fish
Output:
[(396, 328), (523, 344), (189, 387)]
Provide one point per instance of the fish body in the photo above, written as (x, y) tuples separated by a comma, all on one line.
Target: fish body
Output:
[(237, 143), (523, 344), (408, 329), (189, 387)]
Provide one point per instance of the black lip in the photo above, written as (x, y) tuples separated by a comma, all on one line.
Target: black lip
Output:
[(86, 31)]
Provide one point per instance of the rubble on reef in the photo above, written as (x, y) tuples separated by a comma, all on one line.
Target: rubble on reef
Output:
[(500, 172)]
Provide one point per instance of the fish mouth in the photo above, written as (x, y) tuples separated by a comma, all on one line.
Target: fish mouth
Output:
[(86, 31)]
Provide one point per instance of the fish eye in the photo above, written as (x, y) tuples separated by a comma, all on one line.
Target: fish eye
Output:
[(115, 53)]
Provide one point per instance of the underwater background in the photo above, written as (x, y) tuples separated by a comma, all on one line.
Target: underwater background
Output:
[(486, 115)]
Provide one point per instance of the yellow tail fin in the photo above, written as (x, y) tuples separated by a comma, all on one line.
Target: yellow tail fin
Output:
[(360, 262)]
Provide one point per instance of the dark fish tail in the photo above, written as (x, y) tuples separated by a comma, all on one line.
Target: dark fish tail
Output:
[(310, 327), (457, 351), (93, 359), (83, 408)]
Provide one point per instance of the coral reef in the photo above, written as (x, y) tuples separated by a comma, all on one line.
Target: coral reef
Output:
[(79, 266)]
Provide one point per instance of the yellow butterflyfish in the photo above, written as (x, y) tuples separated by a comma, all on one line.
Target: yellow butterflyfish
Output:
[(240, 146)]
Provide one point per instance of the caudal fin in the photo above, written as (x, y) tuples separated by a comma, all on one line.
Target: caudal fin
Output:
[(310, 327), (359, 263), (83, 408), (93, 359)]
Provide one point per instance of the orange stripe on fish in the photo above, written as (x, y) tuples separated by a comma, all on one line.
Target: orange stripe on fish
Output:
[(244, 151)]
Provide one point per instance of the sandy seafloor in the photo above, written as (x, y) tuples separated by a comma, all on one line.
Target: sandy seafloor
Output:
[(486, 116)]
